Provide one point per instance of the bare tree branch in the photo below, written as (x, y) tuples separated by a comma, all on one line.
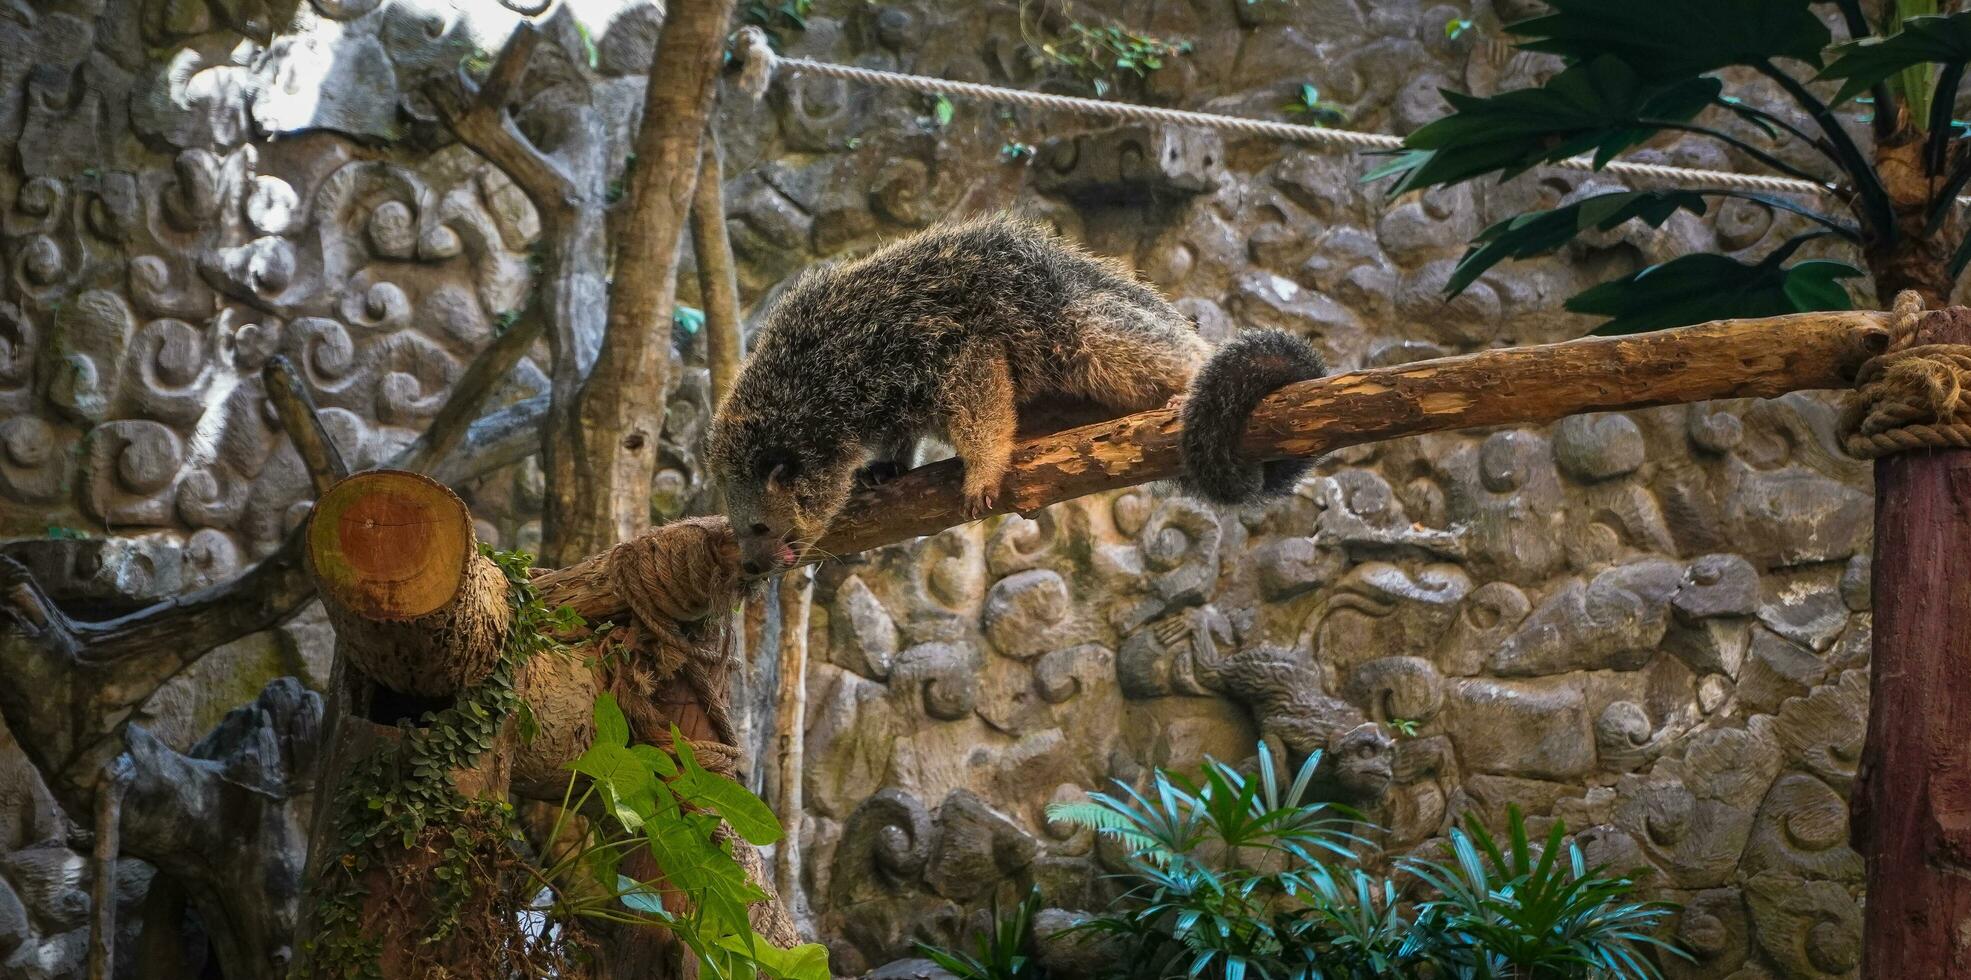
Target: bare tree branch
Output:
[(602, 456), (477, 115), (1519, 385), (456, 418), (718, 280), (303, 424)]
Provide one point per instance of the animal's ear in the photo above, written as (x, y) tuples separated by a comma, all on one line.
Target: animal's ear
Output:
[(780, 478)]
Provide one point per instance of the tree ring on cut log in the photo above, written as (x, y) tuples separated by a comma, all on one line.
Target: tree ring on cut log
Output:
[(415, 606), (391, 545)]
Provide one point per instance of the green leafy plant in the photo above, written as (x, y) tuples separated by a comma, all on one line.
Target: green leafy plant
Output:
[(1526, 913), (1307, 102), (1100, 55), (1635, 72), (663, 802), (1456, 27), (941, 111), (1234, 875), (689, 319), (1015, 151), (1406, 727), (1001, 949)]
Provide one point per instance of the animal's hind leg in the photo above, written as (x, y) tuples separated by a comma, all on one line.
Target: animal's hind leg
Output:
[(1131, 359), (889, 461), (979, 419)]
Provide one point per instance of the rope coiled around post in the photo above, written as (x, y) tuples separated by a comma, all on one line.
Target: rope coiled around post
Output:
[(1912, 395)]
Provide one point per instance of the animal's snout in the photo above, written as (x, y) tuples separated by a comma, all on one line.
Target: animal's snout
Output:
[(751, 567)]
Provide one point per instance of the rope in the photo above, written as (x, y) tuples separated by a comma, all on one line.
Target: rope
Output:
[(1912, 396), (759, 63)]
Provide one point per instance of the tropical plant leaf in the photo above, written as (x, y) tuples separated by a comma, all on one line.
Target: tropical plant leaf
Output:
[(1677, 39), (808, 961), (1540, 232), (641, 897), (611, 728), (1923, 40), (1696, 288), (745, 813), (1600, 105)]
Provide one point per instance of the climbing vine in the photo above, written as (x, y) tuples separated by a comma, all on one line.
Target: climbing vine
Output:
[(401, 797)]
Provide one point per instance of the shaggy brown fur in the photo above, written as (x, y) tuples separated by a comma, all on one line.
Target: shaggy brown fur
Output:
[(955, 332)]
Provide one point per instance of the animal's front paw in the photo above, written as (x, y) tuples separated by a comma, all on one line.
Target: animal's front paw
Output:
[(979, 501)]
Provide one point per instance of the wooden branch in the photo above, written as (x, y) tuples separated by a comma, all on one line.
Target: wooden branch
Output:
[(303, 423), (1913, 795), (1518, 385), (415, 606), (455, 419), (477, 115), (790, 720), (602, 456), (494, 442), (718, 280), (102, 866)]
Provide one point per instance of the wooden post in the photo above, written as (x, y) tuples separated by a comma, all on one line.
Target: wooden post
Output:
[(790, 720), (1912, 804)]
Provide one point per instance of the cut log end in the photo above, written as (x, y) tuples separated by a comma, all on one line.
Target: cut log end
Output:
[(391, 545)]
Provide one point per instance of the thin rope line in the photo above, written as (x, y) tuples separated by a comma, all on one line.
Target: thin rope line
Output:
[(763, 63)]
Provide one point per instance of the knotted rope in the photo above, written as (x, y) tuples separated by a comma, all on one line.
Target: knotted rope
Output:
[(676, 580), (1912, 395), (759, 62)]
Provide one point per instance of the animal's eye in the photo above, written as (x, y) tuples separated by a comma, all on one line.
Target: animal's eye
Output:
[(759, 528)]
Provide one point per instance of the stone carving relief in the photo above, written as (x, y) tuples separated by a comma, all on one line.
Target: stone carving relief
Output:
[(1652, 624)]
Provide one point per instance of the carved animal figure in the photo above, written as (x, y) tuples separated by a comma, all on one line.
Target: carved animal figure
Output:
[(957, 333)]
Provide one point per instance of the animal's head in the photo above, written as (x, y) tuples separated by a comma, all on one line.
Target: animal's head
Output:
[(781, 494)]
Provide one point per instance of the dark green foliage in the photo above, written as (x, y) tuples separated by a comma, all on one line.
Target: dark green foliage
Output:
[(1601, 105), (1518, 913), (1672, 40), (1540, 232), (1923, 40), (1234, 876), (1001, 949), (1697, 288)]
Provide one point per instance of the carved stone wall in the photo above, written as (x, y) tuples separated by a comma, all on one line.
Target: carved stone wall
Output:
[(1653, 624)]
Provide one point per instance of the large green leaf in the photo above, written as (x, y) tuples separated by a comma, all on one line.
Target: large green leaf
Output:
[(1677, 39), (1696, 288), (611, 728), (808, 961), (745, 813), (1923, 40), (1540, 232), (1600, 105)]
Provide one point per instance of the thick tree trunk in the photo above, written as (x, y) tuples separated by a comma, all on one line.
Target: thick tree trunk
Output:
[(1912, 807), (1916, 257), (603, 455)]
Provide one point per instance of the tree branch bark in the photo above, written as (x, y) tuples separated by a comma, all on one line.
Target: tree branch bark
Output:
[(302, 423), (1518, 385), (602, 456), (718, 280)]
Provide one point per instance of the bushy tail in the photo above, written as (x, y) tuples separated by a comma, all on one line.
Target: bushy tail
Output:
[(1248, 368)]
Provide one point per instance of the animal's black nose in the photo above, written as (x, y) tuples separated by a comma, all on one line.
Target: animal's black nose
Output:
[(752, 567)]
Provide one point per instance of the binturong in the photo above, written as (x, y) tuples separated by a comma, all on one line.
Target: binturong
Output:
[(957, 333)]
